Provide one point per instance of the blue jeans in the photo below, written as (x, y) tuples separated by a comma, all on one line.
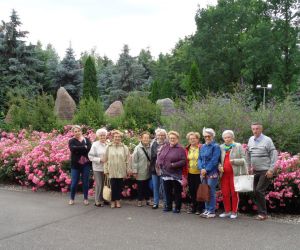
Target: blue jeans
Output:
[(158, 186), (85, 175), (211, 205)]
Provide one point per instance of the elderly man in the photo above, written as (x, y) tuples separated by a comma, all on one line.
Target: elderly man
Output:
[(261, 156)]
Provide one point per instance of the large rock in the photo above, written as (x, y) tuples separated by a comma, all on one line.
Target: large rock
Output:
[(167, 106), (65, 106), (115, 109)]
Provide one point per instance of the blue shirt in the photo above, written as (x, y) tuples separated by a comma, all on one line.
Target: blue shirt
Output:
[(209, 158)]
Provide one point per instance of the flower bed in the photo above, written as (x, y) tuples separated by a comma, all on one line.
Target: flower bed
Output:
[(41, 160)]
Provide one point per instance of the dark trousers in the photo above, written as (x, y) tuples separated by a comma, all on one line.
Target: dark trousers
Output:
[(116, 185), (193, 183), (173, 188), (261, 183), (84, 171), (143, 190)]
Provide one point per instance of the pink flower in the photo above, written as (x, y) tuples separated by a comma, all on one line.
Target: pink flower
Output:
[(64, 190)]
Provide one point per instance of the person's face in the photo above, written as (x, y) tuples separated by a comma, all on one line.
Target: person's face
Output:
[(173, 139), (102, 137), (77, 133), (208, 138), (228, 139), (256, 130), (193, 140), (161, 136), (145, 139), (117, 138)]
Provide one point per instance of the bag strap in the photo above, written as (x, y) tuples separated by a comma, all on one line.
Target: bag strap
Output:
[(146, 154), (107, 181)]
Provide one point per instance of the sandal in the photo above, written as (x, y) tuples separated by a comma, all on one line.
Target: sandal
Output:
[(86, 202), (112, 204), (71, 202)]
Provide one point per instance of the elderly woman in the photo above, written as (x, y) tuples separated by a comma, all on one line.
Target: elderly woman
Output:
[(233, 163), (80, 164), (208, 162), (171, 160), (141, 167), (156, 145), (96, 156), (193, 173), (117, 166)]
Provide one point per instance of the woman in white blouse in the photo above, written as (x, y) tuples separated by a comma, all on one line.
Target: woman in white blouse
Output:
[(96, 156)]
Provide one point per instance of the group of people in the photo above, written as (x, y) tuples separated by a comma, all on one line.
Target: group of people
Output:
[(168, 164)]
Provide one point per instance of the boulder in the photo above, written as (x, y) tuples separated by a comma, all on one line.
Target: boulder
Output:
[(65, 106), (115, 109), (166, 106)]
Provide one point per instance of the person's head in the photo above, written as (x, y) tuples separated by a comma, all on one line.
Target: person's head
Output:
[(101, 134), (173, 137), (161, 135), (209, 135), (256, 128), (145, 138), (77, 132), (228, 136), (117, 136), (193, 138)]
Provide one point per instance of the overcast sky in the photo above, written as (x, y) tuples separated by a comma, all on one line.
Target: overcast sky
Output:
[(106, 24)]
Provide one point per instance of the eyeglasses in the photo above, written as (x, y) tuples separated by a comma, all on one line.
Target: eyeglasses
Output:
[(207, 136)]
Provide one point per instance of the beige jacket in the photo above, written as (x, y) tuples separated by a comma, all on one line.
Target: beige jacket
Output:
[(237, 154), (117, 161)]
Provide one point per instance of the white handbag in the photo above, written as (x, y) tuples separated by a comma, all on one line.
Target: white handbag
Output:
[(243, 183), (107, 189)]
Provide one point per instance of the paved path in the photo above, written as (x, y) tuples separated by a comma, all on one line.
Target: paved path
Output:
[(44, 221)]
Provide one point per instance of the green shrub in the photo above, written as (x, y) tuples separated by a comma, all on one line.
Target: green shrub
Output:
[(36, 113), (90, 112), (236, 112), (140, 112)]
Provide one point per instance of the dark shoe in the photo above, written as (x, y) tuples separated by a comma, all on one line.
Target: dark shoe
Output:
[(197, 213), (176, 211), (148, 203), (155, 206), (167, 209)]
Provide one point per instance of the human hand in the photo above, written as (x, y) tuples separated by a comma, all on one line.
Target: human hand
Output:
[(269, 174), (203, 172), (232, 161), (221, 169)]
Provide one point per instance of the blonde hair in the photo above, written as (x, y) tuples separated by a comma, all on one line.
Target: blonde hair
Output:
[(209, 131), (172, 132), (76, 127), (116, 132), (196, 134)]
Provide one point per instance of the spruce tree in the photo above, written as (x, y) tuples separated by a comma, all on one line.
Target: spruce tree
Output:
[(194, 80), (155, 91), (20, 68), (69, 75), (90, 80)]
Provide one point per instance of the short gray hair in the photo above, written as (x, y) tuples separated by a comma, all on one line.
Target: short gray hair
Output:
[(101, 131), (228, 132), (159, 130), (208, 131)]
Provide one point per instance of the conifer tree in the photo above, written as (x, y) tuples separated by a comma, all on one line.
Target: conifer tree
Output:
[(90, 80)]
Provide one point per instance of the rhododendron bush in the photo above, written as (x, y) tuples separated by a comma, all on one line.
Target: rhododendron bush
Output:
[(41, 160)]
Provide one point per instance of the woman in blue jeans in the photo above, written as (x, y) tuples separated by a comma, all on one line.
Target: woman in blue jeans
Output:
[(208, 162), (80, 165), (156, 145)]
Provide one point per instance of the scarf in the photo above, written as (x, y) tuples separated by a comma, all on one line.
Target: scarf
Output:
[(228, 147)]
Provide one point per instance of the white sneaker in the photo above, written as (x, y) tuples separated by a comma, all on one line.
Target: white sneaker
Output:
[(224, 215), (210, 215), (204, 214), (233, 216)]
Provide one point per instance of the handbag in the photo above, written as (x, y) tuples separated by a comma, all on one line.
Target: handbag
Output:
[(83, 160), (107, 189), (203, 192), (243, 183)]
